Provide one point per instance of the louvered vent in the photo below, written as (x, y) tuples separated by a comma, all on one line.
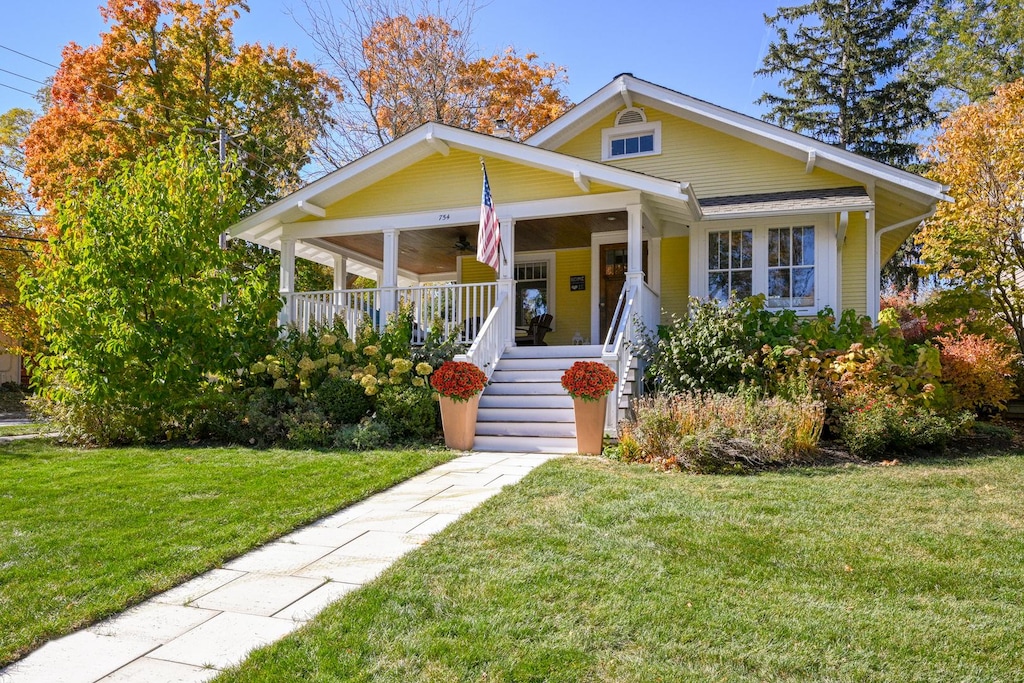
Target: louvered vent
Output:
[(630, 115)]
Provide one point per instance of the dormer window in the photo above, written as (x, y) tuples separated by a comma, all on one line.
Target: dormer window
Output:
[(632, 136)]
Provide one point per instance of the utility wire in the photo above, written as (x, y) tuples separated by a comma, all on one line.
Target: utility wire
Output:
[(34, 59), (14, 73), (30, 94)]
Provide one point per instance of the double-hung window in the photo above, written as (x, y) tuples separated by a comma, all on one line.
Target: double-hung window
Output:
[(791, 263)]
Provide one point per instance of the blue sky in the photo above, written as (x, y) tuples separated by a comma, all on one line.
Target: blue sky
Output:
[(703, 48)]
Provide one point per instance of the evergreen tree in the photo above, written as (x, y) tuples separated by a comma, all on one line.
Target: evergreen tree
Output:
[(849, 75)]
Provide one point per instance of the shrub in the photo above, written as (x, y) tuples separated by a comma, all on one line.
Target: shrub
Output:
[(408, 412), (719, 432), (873, 423), (702, 352), (307, 426), (365, 436), (980, 370), (342, 401)]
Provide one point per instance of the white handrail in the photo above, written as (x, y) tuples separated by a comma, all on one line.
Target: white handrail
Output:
[(638, 305), (492, 339)]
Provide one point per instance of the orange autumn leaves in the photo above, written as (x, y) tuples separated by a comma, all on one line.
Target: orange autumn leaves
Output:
[(417, 70)]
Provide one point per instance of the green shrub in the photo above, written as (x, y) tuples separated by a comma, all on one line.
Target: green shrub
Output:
[(342, 401), (408, 412), (721, 433), (365, 436), (307, 426), (873, 423)]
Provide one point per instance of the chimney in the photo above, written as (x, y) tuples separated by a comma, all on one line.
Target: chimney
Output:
[(501, 129)]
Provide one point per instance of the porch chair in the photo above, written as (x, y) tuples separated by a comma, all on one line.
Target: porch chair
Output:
[(539, 326)]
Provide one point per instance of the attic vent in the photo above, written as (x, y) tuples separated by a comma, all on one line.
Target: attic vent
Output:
[(630, 115)]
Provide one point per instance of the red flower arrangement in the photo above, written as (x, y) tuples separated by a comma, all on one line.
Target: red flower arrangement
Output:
[(458, 380), (589, 380)]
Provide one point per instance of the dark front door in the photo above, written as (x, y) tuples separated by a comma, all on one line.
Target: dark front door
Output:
[(614, 263)]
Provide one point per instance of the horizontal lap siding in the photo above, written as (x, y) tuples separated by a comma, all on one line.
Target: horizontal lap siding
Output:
[(715, 164), (854, 251), (572, 309), (445, 182), (675, 276)]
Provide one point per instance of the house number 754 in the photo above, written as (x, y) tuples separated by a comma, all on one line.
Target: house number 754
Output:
[(444, 217)]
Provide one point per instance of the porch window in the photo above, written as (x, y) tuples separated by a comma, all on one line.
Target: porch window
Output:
[(531, 291), (730, 264), (791, 267)]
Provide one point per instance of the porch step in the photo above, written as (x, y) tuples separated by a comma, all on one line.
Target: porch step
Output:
[(525, 409)]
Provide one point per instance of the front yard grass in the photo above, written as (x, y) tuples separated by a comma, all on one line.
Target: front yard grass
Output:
[(23, 429), (589, 570), (86, 533)]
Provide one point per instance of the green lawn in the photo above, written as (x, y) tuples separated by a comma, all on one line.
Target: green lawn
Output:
[(85, 533), (590, 570)]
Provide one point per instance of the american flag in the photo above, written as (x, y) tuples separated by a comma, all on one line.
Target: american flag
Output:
[(488, 239)]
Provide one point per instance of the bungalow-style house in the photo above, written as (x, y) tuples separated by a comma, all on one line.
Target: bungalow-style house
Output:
[(636, 199)]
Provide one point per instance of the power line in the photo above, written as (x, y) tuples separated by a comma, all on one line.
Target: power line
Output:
[(34, 80), (30, 94), (34, 59)]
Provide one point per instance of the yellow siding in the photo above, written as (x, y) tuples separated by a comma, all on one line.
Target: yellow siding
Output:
[(445, 182), (572, 309), (715, 164), (473, 271), (675, 276), (854, 251)]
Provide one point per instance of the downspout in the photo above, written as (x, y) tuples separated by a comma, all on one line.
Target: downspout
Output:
[(876, 283)]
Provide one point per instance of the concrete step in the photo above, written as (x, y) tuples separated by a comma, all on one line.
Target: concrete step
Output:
[(524, 444), (525, 402), (531, 415), (529, 429)]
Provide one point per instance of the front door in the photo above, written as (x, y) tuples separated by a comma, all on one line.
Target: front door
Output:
[(614, 263)]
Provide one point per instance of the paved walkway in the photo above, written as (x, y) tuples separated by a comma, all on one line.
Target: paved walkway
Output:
[(210, 623)]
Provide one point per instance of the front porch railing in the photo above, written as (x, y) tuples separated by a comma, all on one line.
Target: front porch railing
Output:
[(462, 309), (494, 337), (638, 307)]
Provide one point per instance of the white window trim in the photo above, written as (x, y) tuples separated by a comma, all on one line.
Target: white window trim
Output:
[(547, 257), (627, 131), (826, 282)]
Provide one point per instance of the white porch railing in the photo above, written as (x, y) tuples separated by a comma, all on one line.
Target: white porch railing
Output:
[(459, 307), (638, 306), (494, 338)]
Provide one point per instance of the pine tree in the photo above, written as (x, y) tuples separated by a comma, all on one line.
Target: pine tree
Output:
[(849, 75)]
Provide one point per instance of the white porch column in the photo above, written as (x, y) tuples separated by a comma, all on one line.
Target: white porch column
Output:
[(634, 244), (287, 280), (506, 277), (340, 282), (389, 278)]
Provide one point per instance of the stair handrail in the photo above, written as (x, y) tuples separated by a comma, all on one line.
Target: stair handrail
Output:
[(617, 349), (492, 339)]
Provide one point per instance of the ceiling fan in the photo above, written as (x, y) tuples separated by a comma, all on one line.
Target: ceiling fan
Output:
[(462, 244)]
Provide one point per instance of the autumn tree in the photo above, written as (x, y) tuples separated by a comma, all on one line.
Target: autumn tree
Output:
[(976, 242), (976, 45), (138, 304), (850, 75), (404, 63), (21, 232), (166, 67)]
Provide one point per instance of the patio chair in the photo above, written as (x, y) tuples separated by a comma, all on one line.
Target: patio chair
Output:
[(539, 326)]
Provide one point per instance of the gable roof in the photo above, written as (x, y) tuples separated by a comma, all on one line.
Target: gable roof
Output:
[(627, 90), (264, 226)]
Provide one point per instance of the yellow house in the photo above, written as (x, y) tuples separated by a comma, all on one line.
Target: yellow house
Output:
[(636, 199)]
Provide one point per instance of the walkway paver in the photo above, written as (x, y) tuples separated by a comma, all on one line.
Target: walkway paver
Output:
[(195, 630)]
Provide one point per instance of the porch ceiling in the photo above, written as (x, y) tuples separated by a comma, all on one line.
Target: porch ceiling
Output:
[(434, 250)]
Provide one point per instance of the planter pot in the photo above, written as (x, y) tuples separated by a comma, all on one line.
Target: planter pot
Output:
[(590, 424), (459, 421)]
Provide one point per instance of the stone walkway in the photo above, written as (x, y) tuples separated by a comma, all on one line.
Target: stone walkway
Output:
[(210, 623)]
